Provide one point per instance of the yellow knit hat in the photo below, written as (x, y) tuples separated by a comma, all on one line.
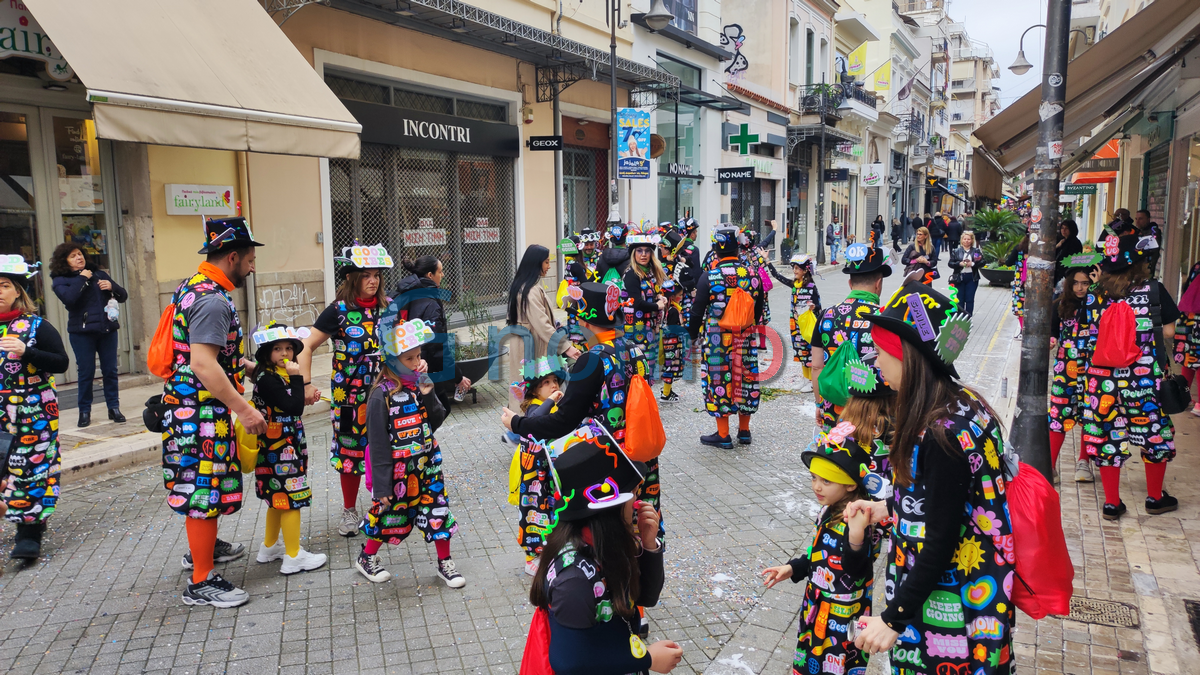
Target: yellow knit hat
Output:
[(819, 466)]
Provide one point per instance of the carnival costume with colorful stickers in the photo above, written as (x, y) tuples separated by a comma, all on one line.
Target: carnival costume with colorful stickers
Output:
[(281, 470), (1065, 383), (803, 293), (29, 413), (638, 296), (581, 631), (1187, 329), (688, 267), (356, 360), (1119, 404), (846, 321), (965, 624), (417, 486), (201, 468), (730, 361), (1018, 286), (754, 259), (574, 273), (674, 344), (838, 578), (589, 257), (536, 496)]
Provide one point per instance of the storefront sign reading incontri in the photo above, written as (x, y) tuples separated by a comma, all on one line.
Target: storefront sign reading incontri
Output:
[(633, 143)]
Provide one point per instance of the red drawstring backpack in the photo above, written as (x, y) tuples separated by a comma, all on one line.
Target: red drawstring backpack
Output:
[(536, 659), (1043, 581), (1116, 343)]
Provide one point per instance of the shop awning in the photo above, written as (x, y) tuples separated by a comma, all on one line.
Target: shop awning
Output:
[(986, 180), (1100, 83), (197, 73), (1110, 151)]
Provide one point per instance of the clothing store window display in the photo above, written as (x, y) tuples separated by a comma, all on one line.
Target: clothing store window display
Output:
[(93, 301), (201, 465), (31, 353), (1121, 371), (730, 344), (351, 321), (950, 571)]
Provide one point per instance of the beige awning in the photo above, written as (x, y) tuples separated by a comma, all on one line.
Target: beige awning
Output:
[(1099, 83), (986, 180), (197, 73)]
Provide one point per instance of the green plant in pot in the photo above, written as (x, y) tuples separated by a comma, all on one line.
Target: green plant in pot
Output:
[(477, 319)]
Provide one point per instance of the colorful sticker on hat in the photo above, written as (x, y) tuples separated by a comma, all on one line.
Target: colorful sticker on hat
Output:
[(262, 337), (920, 317), (612, 301), (1146, 244), (404, 336), (589, 237), (839, 433), (1112, 246), (568, 247), (857, 252), (601, 495), (953, 337), (15, 264), (862, 376), (1083, 260), (575, 293), (368, 257)]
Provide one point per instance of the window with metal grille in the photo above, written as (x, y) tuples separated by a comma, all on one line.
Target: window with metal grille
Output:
[(476, 110), (358, 91), (456, 207), (415, 100)]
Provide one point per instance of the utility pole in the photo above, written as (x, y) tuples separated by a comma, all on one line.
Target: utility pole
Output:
[(1031, 435), (613, 199), (824, 103)]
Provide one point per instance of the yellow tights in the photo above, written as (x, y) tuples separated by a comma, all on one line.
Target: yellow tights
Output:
[(666, 389), (287, 520)]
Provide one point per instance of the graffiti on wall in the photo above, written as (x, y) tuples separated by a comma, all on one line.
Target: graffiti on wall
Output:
[(288, 304), (732, 37)]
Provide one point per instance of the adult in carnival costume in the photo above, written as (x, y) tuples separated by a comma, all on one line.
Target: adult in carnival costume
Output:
[(730, 343), (31, 351), (951, 569)]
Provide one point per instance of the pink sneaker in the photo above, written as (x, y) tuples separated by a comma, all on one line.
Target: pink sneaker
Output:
[(1196, 410), (531, 567)]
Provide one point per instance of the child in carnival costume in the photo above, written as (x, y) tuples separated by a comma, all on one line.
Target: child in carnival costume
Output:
[(806, 299), (674, 339), (279, 458), (575, 273), (407, 484), (532, 490)]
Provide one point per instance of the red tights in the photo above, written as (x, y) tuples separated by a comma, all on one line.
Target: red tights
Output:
[(442, 546), (1110, 476), (1056, 443), (350, 484)]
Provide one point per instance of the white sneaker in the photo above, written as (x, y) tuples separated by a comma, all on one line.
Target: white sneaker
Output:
[(807, 388), (531, 567), (1083, 472), (449, 574), (349, 525), (268, 554), (303, 562)]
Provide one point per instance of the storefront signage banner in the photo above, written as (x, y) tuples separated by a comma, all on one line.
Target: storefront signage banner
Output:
[(740, 174), (952, 155), (952, 185), (416, 129), (837, 175), (1081, 189), (764, 167), (20, 35), (676, 169), (544, 143), (873, 175), (633, 143), (424, 237), (200, 200), (481, 235)]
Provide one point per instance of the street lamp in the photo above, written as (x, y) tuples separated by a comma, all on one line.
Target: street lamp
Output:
[(1022, 64), (659, 17)]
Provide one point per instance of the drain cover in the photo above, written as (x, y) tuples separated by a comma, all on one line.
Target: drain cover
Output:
[(1106, 612), (1193, 611)]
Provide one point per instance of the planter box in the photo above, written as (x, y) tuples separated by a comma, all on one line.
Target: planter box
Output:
[(998, 277), (476, 369)]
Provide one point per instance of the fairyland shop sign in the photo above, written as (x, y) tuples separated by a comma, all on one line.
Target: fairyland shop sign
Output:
[(20, 35), (200, 200)]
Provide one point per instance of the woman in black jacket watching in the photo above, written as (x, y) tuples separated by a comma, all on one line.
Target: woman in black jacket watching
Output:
[(420, 293), (1067, 246), (87, 292)]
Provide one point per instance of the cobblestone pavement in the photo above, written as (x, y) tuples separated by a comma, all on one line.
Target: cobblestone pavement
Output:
[(105, 598)]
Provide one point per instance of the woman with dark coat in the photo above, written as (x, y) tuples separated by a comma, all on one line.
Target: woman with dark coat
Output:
[(1067, 246), (88, 292), (420, 292)]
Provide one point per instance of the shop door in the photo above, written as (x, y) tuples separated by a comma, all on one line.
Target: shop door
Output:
[(579, 190)]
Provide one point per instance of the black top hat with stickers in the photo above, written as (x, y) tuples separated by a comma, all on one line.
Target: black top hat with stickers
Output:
[(226, 234), (266, 336), (725, 240), (926, 319), (358, 258), (595, 474), (598, 304), (839, 458), (14, 267), (1123, 252), (864, 259)]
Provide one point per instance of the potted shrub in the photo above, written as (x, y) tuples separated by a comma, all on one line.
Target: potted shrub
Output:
[(1004, 233), (474, 356)]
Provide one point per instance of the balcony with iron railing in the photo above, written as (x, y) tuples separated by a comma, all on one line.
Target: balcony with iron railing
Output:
[(976, 52), (821, 101)]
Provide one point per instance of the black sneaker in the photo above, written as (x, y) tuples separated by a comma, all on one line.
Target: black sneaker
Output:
[(1113, 512), (215, 591), (744, 437), (717, 441), (669, 398), (447, 572), (222, 552), (370, 567), (1163, 504)]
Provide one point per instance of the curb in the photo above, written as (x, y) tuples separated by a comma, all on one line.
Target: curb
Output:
[(93, 459)]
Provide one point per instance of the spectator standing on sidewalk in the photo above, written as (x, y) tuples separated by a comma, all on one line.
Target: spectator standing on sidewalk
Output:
[(91, 297), (200, 461), (833, 239), (529, 307), (31, 352), (920, 256), (948, 462), (937, 234), (421, 294), (352, 321), (965, 261), (1116, 414)]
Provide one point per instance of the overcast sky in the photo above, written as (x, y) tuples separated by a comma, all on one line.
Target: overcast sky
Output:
[(999, 23)]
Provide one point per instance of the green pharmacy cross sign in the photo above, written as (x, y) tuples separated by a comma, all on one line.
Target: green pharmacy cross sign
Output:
[(743, 139)]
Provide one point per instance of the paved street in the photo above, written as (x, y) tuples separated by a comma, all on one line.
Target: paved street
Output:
[(105, 598)]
